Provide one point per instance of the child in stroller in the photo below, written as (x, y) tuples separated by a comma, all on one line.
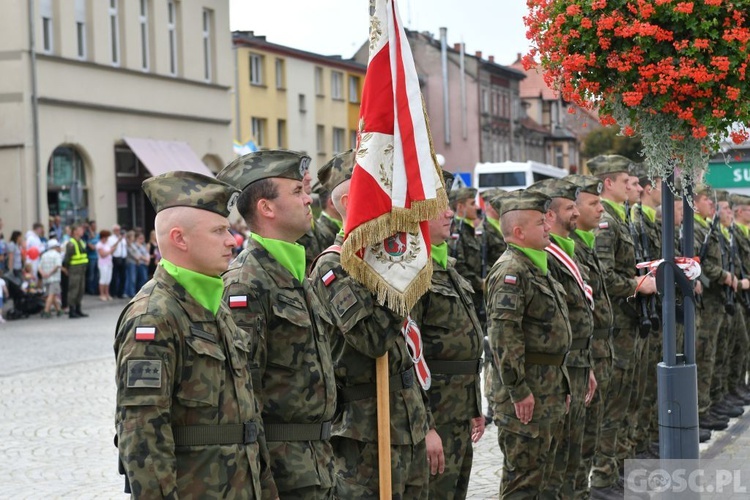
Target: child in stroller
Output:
[(25, 302)]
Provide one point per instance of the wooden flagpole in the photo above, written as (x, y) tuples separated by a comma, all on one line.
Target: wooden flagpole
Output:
[(384, 426)]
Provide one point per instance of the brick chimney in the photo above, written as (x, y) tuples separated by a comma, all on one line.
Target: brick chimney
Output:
[(492, 59), (478, 54), (457, 47)]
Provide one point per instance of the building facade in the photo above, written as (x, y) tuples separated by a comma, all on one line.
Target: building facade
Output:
[(98, 95)]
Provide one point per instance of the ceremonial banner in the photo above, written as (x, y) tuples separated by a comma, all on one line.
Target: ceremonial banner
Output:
[(396, 185)]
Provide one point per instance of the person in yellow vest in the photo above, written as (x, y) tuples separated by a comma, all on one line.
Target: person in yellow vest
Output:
[(74, 264)]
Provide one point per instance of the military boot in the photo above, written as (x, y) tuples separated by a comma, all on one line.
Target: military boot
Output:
[(704, 435), (727, 409), (711, 421), (81, 314)]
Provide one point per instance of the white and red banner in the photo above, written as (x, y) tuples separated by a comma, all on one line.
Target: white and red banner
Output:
[(396, 185)]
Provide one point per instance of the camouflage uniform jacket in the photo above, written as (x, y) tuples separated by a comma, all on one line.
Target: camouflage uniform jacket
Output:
[(309, 240), (361, 330), (526, 313), (601, 344), (653, 232), (451, 332), (495, 244), (579, 312), (466, 248), (199, 376), (293, 359), (712, 272), (326, 231), (616, 252)]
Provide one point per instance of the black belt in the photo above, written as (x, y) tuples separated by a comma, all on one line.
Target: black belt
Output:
[(204, 435), (298, 432), (604, 333), (471, 367), (540, 358), (403, 380), (580, 344)]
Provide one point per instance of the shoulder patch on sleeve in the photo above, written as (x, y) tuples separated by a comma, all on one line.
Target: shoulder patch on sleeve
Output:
[(144, 373), (343, 301), (604, 225), (145, 333), (510, 279), (506, 301)]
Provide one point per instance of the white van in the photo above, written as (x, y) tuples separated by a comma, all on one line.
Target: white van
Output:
[(512, 175)]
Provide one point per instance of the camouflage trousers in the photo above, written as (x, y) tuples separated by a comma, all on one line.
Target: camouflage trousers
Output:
[(357, 470), (728, 351), (528, 453), (568, 455), (627, 349), (647, 428), (626, 446), (739, 357), (459, 455), (593, 423), (305, 493), (712, 320)]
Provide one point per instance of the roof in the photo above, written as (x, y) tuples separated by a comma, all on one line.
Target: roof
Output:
[(534, 86)]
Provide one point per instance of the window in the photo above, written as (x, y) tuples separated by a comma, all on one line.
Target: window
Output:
[(320, 139), (352, 139), (338, 140), (66, 184), (354, 89), (258, 126), (485, 101), (207, 44), (114, 32), (143, 22), (256, 69), (80, 15), (172, 35), (45, 9), (337, 83), (559, 157), (319, 81), (302, 103), (280, 79), (281, 133)]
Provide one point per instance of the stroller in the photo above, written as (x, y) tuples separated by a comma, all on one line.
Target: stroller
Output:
[(24, 303)]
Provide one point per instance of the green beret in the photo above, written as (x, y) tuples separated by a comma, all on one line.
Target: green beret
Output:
[(609, 164), (739, 200), (488, 194), (703, 190), (556, 188), (252, 167), (497, 201), (461, 194), (338, 170), (524, 200), (722, 195), (448, 180), (588, 183), (188, 189)]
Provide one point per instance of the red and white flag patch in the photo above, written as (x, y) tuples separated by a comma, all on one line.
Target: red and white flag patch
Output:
[(510, 279), (604, 225), (145, 333), (328, 277), (237, 301)]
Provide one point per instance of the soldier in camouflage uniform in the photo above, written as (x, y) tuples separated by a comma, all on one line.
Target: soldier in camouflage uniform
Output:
[(266, 290), (529, 336), (329, 224), (740, 356), (452, 338), (616, 252), (566, 269), (465, 245), (360, 330), (309, 240), (590, 211), (187, 422)]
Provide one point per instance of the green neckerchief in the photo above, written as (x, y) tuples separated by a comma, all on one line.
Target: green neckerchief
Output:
[(440, 254), (341, 232), (588, 237), (725, 232), (206, 290), (567, 244), (289, 255), (701, 220), (537, 257), (619, 208), (339, 223), (745, 230), (649, 212), (494, 223)]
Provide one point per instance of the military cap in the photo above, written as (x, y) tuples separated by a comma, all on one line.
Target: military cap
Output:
[(703, 190), (556, 188), (317, 187), (722, 195), (609, 164), (524, 200), (337, 170), (588, 183), (497, 201), (188, 189), (739, 200), (461, 194), (488, 194), (253, 167), (448, 180)]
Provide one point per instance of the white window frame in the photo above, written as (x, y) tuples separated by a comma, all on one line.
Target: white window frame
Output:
[(143, 23), (80, 17), (337, 140), (48, 31), (172, 35), (256, 69), (319, 90), (280, 84), (353, 89), (320, 139), (302, 103), (114, 32), (337, 85), (352, 139), (207, 21), (258, 128)]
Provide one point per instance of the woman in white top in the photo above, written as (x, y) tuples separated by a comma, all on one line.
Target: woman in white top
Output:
[(104, 264)]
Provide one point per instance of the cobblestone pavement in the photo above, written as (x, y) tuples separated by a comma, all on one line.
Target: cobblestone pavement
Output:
[(57, 403)]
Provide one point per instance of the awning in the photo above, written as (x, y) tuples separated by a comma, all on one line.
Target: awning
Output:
[(165, 156)]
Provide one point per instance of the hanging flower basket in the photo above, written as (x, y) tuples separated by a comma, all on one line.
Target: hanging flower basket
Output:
[(674, 72)]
